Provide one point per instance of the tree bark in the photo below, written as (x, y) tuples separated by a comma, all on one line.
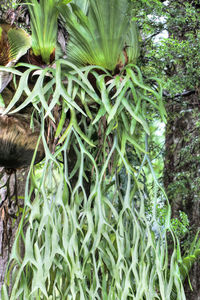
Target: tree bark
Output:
[(9, 221), (182, 173)]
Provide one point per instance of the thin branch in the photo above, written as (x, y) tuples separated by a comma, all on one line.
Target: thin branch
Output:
[(179, 95)]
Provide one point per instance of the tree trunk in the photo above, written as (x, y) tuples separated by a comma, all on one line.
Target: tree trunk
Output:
[(9, 220), (182, 172)]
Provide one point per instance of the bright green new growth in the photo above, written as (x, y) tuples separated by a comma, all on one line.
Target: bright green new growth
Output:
[(44, 27), (99, 37)]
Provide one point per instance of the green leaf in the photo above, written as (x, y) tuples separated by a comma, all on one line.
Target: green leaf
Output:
[(98, 38), (44, 27)]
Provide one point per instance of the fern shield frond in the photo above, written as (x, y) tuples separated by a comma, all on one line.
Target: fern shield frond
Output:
[(100, 36), (44, 16), (14, 42), (4, 46), (19, 43)]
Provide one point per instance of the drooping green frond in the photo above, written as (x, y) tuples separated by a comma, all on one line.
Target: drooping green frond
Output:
[(88, 232), (99, 38), (44, 26), (19, 43)]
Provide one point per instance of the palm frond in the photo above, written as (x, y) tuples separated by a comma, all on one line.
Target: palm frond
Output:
[(98, 38)]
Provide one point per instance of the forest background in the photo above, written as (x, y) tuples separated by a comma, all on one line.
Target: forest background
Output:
[(169, 51)]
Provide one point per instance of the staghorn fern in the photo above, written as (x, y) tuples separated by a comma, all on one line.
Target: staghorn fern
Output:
[(87, 237), (94, 243)]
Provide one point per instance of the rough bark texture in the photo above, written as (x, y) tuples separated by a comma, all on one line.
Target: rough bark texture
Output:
[(182, 172), (8, 223)]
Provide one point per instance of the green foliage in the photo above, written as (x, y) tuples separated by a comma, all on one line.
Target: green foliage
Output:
[(175, 58), (181, 226), (98, 38), (95, 243), (189, 259), (83, 4), (9, 4), (44, 27)]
